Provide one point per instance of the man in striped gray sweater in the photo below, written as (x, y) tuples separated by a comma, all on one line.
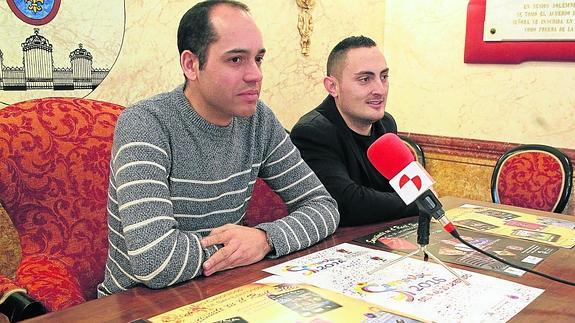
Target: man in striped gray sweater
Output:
[(184, 164)]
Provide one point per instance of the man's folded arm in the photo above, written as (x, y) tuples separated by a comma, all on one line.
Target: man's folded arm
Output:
[(313, 213)]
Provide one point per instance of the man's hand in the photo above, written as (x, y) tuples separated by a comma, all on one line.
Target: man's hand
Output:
[(242, 246)]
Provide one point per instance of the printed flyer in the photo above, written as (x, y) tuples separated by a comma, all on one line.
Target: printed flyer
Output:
[(277, 299), (402, 238), (410, 286), (555, 232)]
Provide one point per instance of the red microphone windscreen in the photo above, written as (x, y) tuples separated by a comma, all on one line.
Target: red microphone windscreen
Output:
[(389, 155)]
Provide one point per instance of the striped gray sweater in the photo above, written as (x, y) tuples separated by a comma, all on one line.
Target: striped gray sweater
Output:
[(174, 177)]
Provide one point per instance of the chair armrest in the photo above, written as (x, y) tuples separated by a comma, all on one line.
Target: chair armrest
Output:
[(51, 281), (15, 303), (7, 287)]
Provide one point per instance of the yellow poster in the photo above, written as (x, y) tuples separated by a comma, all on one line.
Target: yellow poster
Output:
[(555, 232), (270, 300)]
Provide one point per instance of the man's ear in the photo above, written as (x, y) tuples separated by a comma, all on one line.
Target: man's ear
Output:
[(190, 64), (330, 84)]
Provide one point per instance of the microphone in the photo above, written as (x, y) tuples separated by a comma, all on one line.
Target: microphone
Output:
[(391, 157)]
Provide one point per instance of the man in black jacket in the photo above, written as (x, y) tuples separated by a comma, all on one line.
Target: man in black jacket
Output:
[(334, 137)]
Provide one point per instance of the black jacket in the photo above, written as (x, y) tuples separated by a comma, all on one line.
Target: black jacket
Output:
[(328, 147)]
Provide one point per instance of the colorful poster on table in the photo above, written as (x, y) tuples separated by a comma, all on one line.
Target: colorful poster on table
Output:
[(277, 299), (551, 231), (402, 238), (410, 286)]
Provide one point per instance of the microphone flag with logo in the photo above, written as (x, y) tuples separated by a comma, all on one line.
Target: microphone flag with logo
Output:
[(411, 182)]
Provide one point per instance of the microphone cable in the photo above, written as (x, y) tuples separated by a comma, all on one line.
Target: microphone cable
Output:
[(456, 235)]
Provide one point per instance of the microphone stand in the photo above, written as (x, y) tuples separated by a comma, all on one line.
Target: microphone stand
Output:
[(423, 224)]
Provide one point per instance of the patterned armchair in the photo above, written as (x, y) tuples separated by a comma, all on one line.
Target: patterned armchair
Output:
[(264, 206), (533, 176), (54, 155)]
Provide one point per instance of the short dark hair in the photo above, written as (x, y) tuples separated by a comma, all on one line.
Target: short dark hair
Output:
[(196, 32), (337, 54)]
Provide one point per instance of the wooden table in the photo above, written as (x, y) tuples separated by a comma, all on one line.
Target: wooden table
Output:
[(556, 304)]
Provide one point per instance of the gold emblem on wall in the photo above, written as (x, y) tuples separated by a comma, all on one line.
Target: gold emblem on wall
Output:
[(305, 24)]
